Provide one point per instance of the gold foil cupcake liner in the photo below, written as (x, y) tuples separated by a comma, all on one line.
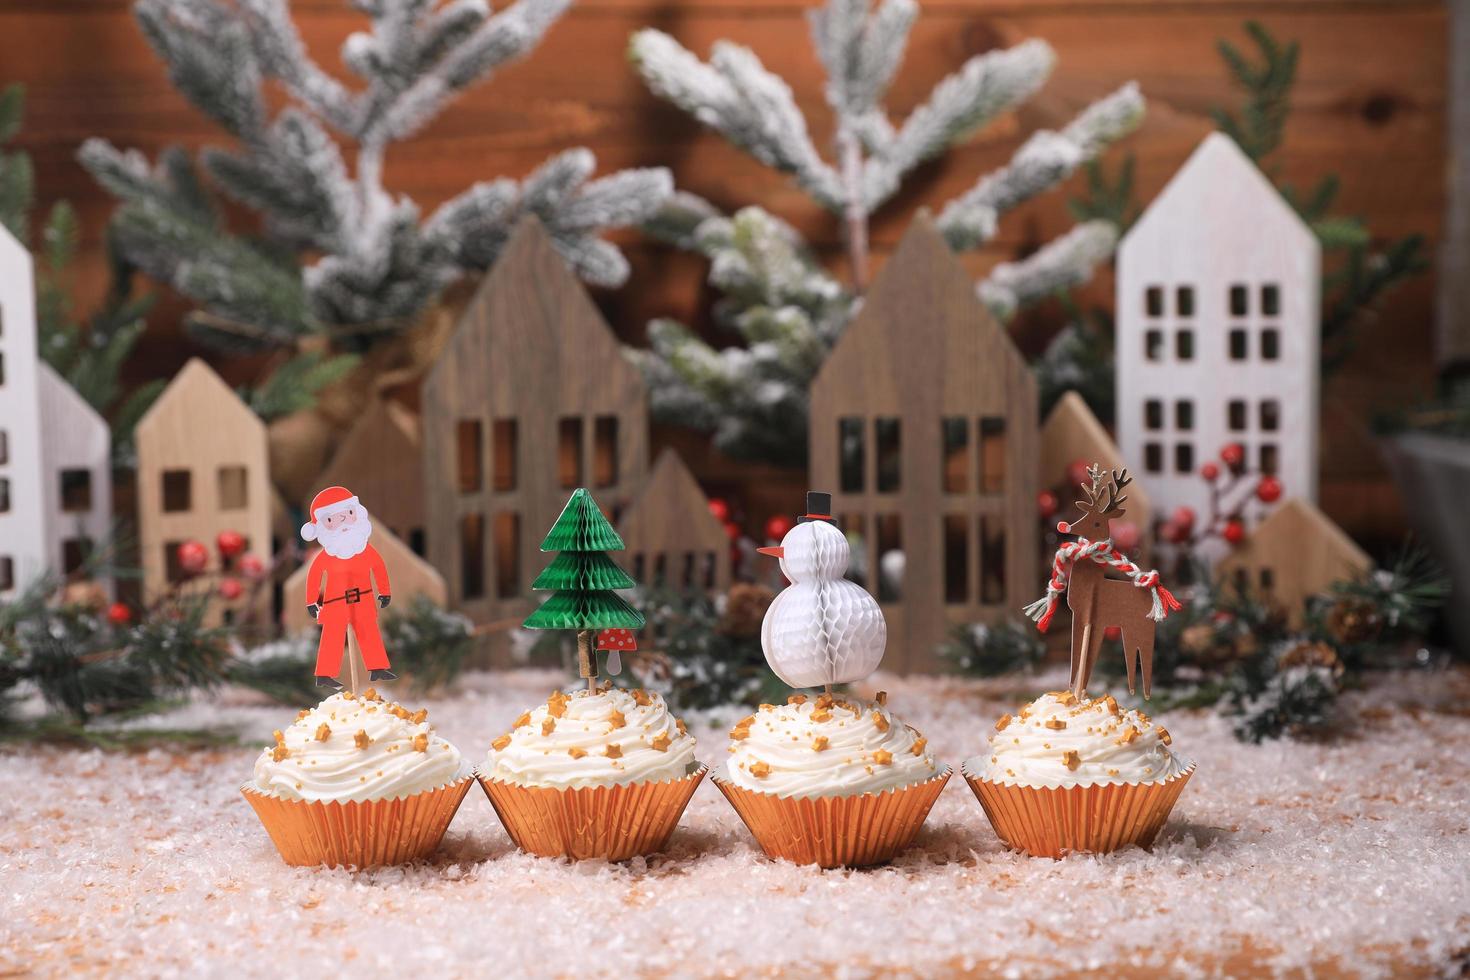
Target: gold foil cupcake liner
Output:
[(836, 831), (362, 834), (1097, 819), (614, 823)]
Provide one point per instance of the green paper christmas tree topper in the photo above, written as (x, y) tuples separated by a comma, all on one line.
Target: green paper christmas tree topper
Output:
[(582, 579)]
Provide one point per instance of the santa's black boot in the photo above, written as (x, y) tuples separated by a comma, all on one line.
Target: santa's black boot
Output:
[(328, 682), (382, 675)]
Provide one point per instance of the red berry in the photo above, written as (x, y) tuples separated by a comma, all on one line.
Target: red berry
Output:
[(193, 557), (230, 543), (778, 527), (1063, 527), (732, 530), (1234, 532), (1209, 471), (230, 589), (1233, 455), (1112, 633), (118, 614), (1183, 517), (252, 567), (1125, 535), (720, 509), (1047, 503), (1077, 472), (1173, 533), (1268, 491)]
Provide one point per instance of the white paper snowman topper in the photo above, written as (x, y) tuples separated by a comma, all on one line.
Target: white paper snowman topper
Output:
[(822, 629)]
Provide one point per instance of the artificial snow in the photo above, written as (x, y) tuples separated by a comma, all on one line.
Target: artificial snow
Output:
[(1344, 856)]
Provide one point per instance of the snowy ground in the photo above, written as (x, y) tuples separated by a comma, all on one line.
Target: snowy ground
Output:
[(1345, 857)]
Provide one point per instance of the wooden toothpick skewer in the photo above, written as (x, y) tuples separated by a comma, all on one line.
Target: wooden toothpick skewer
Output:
[(587, 658), (1084, 665), (354, 663)]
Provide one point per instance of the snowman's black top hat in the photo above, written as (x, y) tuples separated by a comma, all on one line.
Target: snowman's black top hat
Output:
[(818, 507)]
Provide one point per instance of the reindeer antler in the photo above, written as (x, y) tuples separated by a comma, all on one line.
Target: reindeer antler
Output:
[(1120, 479), (1095, 474)]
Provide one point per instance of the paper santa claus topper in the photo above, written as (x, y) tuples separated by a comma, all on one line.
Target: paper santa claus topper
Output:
[(822, 629), (346, 585)]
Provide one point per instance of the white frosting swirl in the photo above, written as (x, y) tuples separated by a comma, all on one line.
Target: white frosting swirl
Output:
[(1059, 741), (826, 747), (601, 738), (351, 748)]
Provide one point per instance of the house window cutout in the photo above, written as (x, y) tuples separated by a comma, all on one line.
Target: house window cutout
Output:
[(2, 369), (1184, 301), (1153, 414), (1239, 344), (4, 447), (1239, 300), (1270, 344), (1153, 457), (638, 568), (992, 454), (660, 569), (1270, 300), (954, 442), (232, 483), (1235, 417), (851, 455), (1153, 301), (604, 450), (472, 556), (992, 560), (178, 491), (686, 580), (173, 569), (855, 527), (506, 452), (507, 554), (1184, 457), (569, 452), (7, 573), (1269, 458), (416, 541), (1267, 579), (1270, 415), (890, 558), (708, 576), (886, 435), (1153, 345), (1184, 345), (956, 559), (469, 463), (74, 554), (4, 495), (76, 491), (1184, 415)]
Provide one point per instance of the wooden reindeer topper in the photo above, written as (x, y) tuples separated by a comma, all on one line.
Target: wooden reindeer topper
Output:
[(1098, 602)]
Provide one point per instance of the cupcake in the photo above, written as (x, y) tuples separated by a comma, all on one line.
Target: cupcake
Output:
[(827, 780), (357, 781), (603, 773), (830, 780), (1076, 774)]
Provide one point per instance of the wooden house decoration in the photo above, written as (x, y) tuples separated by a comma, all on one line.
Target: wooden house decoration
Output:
[(202, 468), (1218, 331), (382, 459), (1295, 553), (23, 550), (1072, 432), (77, 460), (530, 399), (672, 538), (411, 577), (923, 426)]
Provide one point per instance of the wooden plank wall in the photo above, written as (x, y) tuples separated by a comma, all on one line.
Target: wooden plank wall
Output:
[(1370, 106)]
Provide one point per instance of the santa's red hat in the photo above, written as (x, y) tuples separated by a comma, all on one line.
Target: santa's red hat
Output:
[(332, 500)]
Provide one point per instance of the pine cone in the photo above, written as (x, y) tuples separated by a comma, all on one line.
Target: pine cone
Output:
[(87, 594), (1352, 620), (1311, 655), (745, 608)]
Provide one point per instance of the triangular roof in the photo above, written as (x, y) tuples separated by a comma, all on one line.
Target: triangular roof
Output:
[(1297, 538), (672, 500), (1071, 432), (1219, 171), (923, 332), (196, 385), (62, 406), (14, 249)]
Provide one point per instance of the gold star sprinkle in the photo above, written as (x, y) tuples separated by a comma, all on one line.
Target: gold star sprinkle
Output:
[(616, 719), (661, 741), (919, 744), (420, 716), (576, 753), (421, 743), (614, 752), (361, 739), (821, 714), (1055, 724), (1005, 720), (323, 732), (641, 697), (1164, 736), (682, 730), (524, 719), (796, 699), (1071, 760), (371, 694), (819, 744), (880, 722), (500, 743), (883, 757), (760, 770), (882, 698), (548, 725), (280, 752), (280, 739)]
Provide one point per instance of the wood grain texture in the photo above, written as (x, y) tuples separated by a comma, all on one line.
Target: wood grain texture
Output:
[(924, 350), (381, 460), (669, 528), (199, 427), (1072, 432), (532, 350), (1294, 554)]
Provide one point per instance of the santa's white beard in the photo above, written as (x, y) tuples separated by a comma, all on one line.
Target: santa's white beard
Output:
[(347, 540)]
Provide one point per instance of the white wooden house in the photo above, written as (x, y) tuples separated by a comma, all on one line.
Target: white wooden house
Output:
[(1218, 326), (76, 458), (22, 497)]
